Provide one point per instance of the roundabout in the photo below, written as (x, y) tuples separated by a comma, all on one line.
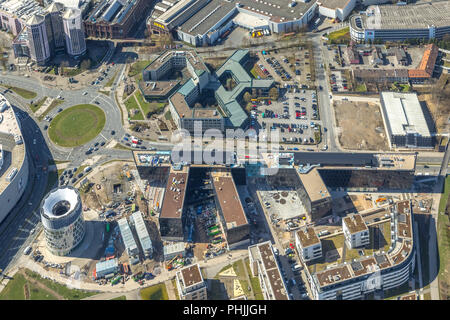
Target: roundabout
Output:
[(76, 125)]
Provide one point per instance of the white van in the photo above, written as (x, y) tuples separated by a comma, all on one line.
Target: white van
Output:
[(27, 250)]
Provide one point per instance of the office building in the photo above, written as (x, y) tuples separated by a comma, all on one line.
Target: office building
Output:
[(63, 221), (264, 265), (74, 32), (190, 283), (355, 231), (308, 244)]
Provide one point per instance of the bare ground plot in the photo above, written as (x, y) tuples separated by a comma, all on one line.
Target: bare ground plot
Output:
[(437, 103), (360, 125)]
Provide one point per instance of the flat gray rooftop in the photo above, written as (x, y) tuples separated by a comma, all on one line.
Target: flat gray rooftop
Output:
[(418, 16), (334, 4), (207, 17), (404, 113)]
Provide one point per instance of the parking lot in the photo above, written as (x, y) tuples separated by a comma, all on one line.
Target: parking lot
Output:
[(295, 115), (338, 83)]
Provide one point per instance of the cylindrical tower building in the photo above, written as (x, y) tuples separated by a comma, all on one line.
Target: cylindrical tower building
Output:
[(74, 32), (38, 39), (62, 219)]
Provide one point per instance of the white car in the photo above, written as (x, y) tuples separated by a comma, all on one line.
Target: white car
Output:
[(325, 147), (85, 93)]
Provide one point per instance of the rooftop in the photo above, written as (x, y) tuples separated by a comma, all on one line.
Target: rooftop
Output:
[(314, 185), (127, 235), (413, 16), (191, 275), (173, 201), (157, 88), (334, 4), (208, 16), (307, 237), (401, 247), (273, 273), (404, 114), (141, 230), (426, 67), (380, 73), (355, 223), (23, 9), (10, 134), (228, 197), (151, 158), (111, 11), (190, 55)]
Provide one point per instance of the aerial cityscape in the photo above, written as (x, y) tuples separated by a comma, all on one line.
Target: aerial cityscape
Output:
[(224, 150)]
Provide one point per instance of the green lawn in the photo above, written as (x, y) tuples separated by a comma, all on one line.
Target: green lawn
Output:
[(361, 88), (338, 36), (168, 116), (69, 294), (15, 290), (37, 104), (137, 67), (131, 104), (77, 125), (23, 93), (149, 107), (444, 242), (156, 292), (254, 282), (120, 298), (52, 105)]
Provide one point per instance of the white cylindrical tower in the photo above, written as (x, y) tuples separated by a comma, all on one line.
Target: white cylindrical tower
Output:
[(74, 32), (62, 219)]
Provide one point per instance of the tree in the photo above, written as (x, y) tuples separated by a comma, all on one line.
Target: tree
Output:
[(64, 64), (273, 93), (85, 64), (247, 97)]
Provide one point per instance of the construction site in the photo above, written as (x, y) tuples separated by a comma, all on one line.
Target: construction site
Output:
[(360, 125)]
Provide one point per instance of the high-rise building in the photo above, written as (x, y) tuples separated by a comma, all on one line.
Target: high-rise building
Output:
[(39, 49), (55, 29), (74, 32)]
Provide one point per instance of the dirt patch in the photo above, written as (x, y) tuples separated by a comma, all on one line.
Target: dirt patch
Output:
[(360, 126), (439, 110)]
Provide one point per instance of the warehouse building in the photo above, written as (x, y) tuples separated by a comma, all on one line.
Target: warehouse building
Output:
[(404, 121), (399, 22), (264, 265), (336, 9), (142, 232), (174, 249), (128, 241), (200, 22), (13, 159), (190, 283)]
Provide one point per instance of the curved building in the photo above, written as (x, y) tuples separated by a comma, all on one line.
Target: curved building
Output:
[(74, 31), (62, 218), (38, 39), (13, 159), (392, 22)]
